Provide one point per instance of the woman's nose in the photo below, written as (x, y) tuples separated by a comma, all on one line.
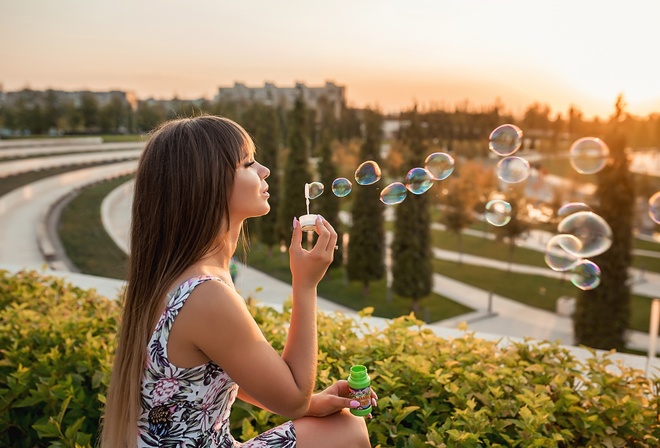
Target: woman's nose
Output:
[(266, 172)]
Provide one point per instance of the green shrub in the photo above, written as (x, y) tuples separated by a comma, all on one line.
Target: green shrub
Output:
[(56, 344)]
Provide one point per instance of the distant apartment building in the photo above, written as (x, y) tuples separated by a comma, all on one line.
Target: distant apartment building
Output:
[(34, 97), (270, 94)]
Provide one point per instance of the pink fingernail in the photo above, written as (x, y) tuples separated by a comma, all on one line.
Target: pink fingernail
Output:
[(354, 403), (295, 223)]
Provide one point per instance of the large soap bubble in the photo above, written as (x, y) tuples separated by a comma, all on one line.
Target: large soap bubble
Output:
[(505, 140), (654, 208), (557, 257), (341, 187), (586, 275), (315, 190), (593, 232), (498, 212), (418, 180), (513, 169), (572, 207), (588, 155), (394, 193), (440, 165), (367, 173)]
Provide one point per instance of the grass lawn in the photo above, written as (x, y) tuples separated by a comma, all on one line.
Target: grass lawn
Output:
[(335, 288), (540, 292), (85, 240)]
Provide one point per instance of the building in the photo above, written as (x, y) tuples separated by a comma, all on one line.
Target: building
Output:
[(270, 94), (40, 97)]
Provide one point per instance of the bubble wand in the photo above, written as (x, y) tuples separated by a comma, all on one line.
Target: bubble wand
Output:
[(312, 191)]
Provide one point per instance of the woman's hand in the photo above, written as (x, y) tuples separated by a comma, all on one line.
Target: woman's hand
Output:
[(309, 267), (334, 399)]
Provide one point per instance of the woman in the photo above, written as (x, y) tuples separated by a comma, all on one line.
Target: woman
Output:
[(188, 346)]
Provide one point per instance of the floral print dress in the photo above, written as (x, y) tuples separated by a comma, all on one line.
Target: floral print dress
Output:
[(189, 407)]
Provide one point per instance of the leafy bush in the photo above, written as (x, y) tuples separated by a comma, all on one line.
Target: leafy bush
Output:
[(57, 341)]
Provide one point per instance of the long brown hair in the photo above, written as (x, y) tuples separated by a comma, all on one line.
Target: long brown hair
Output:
[(183, 183)]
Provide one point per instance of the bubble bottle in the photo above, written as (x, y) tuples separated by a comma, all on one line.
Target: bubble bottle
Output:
[(359, 389)]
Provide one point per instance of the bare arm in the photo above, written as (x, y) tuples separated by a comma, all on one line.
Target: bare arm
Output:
[(219, 324)]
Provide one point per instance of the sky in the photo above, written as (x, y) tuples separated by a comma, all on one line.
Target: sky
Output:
[(388, 54)]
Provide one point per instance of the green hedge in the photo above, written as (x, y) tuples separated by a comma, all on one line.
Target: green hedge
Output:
[(56, 344)]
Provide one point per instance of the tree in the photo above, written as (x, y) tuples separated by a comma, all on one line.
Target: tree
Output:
[(267, 139), (458, 198), (412, 272), (366, 246), (519, 223), (602, 314), (328, 203), (296, 171)]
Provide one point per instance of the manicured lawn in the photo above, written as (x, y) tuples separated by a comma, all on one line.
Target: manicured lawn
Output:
[(85, 240), (537, 291)]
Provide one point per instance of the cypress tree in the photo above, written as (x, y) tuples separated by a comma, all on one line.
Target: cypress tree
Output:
[(296, 171), (602, 314), (412, 273), (328, 204), (267, 139), (366, 249)]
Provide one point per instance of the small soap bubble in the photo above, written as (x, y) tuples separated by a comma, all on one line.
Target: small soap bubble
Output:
[(513, 169), (367, 173), (558, 258), (440, 165), (588, 155), (586, 275), (394, 193), (498, 212), (341, 187), (315, 190), (654, 208), (572, 207), (419, 180), (593, 231), (505, 140)]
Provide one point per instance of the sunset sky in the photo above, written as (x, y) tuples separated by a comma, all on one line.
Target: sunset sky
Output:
[(388, 54)]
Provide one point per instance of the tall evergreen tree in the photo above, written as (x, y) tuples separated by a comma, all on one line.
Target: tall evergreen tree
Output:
[(602, 314), (366, 246), (328, 204), (267, 139), (412, 273), (296, 171)]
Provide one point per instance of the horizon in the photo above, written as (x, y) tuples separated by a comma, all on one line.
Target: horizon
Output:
[(387, 55)]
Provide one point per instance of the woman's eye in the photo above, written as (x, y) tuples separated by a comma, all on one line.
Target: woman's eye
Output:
[(249, 164)]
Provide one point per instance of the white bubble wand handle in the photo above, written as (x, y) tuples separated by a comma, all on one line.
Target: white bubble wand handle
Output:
[(307, 197)]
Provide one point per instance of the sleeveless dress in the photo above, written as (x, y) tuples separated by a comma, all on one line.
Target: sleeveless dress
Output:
[(189, 407)]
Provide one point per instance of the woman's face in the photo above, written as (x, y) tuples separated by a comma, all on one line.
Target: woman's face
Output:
[(250, 195)]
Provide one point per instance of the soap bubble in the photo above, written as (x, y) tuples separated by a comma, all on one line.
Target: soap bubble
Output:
[(498, 212), (588, 155), (394, 193), (593, 232), (505, 140), (573, 207), (586, 275), (557, 257), (367, 173), (654, 208), (315, 189), (513, 169), (440, 165), (341, 187), (419, 180)]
